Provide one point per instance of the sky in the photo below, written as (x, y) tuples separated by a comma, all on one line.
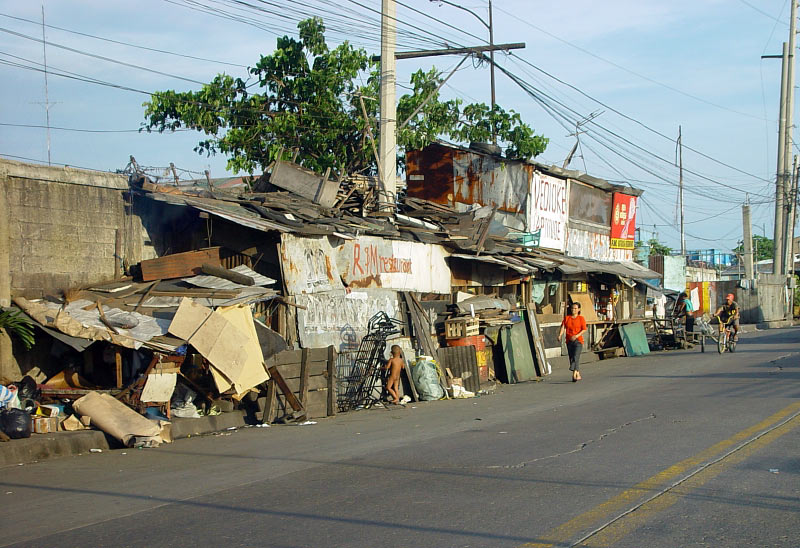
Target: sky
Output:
[(643, 68)]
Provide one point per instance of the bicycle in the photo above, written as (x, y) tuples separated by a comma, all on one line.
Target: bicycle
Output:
[(726, 340)]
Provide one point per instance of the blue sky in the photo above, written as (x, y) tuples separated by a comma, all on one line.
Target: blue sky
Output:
[(660, 64)]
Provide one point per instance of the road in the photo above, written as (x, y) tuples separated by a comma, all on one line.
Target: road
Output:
[(672, 449)]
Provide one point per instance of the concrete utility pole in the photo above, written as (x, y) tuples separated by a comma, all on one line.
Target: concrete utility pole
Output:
[(747, 236), (787, 153), (780, 175), (791, 216), (680, 190), (388, 136)]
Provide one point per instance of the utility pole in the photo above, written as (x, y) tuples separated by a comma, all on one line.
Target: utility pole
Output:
[(680, 190), (780, 176), (791, 216), (491, 60), (388, 122), (748, 240), (787, 154), (46, 95)]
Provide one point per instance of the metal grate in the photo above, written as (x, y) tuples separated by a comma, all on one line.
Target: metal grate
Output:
[(358, 371)]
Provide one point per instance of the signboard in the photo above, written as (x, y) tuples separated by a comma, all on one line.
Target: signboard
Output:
[(623, 221), (373, 262), (314, 265), (548, 211)]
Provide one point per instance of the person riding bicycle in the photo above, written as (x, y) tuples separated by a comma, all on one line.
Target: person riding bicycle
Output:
[(728, 313)]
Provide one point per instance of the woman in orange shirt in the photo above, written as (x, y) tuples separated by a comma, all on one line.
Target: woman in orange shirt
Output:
[(574, 326)]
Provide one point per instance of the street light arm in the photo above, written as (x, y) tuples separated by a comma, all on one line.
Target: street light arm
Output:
[(475, 15)]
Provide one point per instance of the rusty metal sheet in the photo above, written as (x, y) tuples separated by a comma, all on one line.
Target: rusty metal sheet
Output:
[(178, 265), (462, 362), (486, 180), (339, 318), (548, 210)]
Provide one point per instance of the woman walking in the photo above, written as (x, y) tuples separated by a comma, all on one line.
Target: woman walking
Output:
[(574, 326)]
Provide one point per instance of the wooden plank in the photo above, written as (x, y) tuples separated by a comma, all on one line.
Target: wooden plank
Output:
[(331, 378), (269, 406), (296, 356), (317, 406), (293, 370), (287, 392), (304, 182), (303, 388), (118, 364), (146, 294), (542, 366), (179, 265), (314, 383)]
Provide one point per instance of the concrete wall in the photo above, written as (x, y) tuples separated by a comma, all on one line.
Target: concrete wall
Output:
[(62, 227), (699, 274)]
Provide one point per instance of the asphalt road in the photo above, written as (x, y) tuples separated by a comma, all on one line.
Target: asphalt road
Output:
[(671, 449)]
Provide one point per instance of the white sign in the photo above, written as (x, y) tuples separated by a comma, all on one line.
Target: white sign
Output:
[(548, 210), (314, 265)]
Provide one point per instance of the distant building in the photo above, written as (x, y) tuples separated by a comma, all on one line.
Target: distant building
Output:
[(712, 257)]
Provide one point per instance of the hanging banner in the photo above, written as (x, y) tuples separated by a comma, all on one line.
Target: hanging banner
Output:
[(548, 211), (623, 221)]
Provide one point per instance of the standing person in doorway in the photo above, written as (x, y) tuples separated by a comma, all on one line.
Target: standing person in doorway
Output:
[(684, 309), (574, 326)]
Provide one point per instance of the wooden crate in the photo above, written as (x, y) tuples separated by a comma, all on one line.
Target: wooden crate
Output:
[(461, 327)]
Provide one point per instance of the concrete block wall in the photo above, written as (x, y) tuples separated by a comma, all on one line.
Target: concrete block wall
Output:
[(62, 226)]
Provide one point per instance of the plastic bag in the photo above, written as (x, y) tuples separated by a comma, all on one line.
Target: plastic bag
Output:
[(426, 379), (16, 423), (8, 397)]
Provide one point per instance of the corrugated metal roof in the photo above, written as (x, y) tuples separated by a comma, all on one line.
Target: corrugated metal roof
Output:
[(627, 269)]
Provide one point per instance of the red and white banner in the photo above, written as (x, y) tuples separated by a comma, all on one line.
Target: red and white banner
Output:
[(623, 221)]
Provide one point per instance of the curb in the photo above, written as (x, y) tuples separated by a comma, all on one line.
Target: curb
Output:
[(64, 444)]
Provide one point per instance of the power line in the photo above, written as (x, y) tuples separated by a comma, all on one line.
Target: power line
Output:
[(667, 86), (138, 46), (629, 118), (101, 57)]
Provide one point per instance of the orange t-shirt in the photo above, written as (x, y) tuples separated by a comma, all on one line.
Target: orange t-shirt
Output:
[(573, 326)]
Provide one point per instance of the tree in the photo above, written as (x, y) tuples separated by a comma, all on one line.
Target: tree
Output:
[(309, 100), (657, 248), (763, 248)]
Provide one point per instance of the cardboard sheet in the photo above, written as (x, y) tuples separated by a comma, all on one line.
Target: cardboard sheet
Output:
[(227, 339), (159, 387)]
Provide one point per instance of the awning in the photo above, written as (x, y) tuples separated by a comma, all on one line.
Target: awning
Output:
[(623, 269), (494, 260)]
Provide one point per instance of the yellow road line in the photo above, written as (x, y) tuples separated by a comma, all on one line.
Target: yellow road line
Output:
[(626, 499), (629, 523)]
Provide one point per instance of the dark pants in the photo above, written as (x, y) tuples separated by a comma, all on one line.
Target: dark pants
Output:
[(574, 349)]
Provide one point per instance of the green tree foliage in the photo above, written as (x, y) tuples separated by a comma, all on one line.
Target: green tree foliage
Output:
[(657, 248), (763, 248), (307, 98)]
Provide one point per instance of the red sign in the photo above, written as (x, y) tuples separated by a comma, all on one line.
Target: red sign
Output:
[(623, 221)]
